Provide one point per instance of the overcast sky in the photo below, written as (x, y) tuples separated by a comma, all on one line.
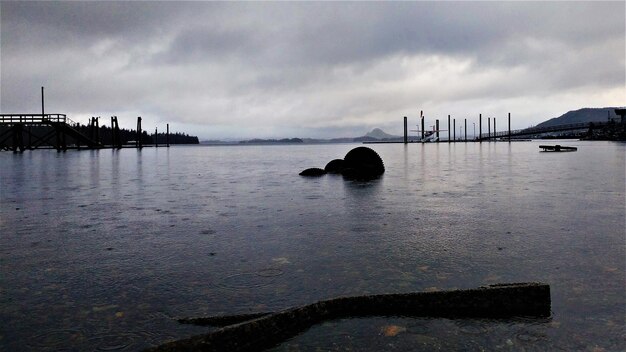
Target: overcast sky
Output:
[(322, 69)]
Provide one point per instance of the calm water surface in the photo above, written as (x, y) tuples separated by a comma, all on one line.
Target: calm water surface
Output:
[(101, 250)]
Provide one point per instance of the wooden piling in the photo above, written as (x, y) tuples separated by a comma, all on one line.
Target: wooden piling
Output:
[(449, 140), (466, 130), (437, 129), (167, 136), (422, 119), (139, 143), (480, 128), (489, 129), (454, 129), (94, 129), (116, 137), (17, 137), (406, 137), (112, 134), (509, 127), (494, 129)]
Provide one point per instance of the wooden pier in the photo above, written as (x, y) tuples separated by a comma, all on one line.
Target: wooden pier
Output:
[(19, 132)]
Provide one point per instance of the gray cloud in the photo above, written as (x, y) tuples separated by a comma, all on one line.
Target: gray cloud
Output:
[(239, 69)]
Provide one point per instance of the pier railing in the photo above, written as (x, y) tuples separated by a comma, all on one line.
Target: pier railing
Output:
[(34, 118)]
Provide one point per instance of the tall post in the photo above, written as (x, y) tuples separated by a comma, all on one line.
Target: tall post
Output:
[(92, 133), (422, 119), (98, 130), (115, 133), (480, 128), (509, 127), (449, 129), (405, 131), (139, 144), (465, 129), (494, 130), (437, 129), (454, 129), (489, 128), (156, 138), (167, 136), (112, 133), (42, 104)]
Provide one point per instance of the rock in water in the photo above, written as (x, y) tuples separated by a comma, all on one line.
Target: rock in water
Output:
[(362, 163), (334, 166), (314, 171)]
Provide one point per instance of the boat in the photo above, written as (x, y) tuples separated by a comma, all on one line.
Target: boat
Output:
[(557, 148)]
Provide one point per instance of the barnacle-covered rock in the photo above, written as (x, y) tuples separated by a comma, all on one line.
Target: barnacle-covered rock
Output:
[(362, 163), (334, 166)]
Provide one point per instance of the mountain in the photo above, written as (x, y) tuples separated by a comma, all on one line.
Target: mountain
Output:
[(377, 133), (373, 136), (581, 115)]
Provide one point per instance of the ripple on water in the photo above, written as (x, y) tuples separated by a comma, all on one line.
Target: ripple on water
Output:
[(530, 336), (114, 342), (247, 280), (269, 272), (55, 340), (470, 327)]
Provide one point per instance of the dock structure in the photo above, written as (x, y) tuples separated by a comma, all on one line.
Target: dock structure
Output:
[(37, 131), (20, 132), (509, 134), (493, 134)]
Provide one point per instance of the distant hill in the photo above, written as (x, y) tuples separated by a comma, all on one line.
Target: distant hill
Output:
[(272, 141), (582, 115), (373, 136), (377, 133)]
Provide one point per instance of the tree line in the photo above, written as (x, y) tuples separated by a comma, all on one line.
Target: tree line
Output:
[(105, 136)]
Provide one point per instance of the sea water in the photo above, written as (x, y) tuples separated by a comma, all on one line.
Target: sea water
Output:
[(103, 250)]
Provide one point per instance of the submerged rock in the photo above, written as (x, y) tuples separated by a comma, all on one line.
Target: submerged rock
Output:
[(362, 163), (314, 171), (335, 166)]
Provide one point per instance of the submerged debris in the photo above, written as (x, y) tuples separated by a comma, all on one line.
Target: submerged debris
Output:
[(252, 332)]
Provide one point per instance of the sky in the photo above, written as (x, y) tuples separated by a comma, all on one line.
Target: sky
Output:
[(239, 70)]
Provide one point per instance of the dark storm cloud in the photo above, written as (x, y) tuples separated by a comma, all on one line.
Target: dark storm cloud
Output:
[(310, 65), (85, 20), (339, 33)]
